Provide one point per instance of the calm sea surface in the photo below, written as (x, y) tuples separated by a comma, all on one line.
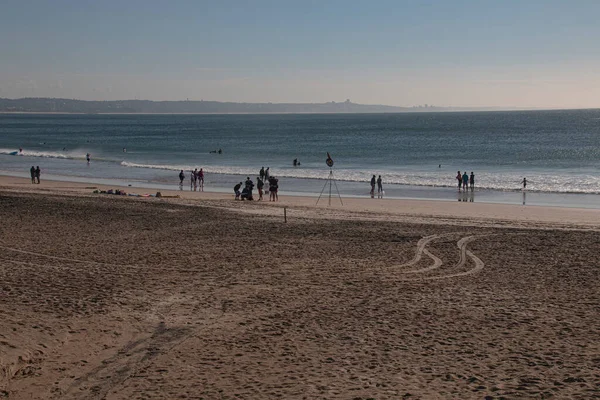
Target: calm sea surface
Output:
[(558, 151)]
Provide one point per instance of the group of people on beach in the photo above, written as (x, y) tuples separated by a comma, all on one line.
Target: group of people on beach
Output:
[(465, 180), (35, 174), (196, 179), (246, 192), (379, 184)]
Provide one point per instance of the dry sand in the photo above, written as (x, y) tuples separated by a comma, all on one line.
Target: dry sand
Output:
[(105, 297)]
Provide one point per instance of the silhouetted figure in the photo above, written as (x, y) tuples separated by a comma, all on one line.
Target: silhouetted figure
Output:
[(373, 181), (379, 187), (181, 178)]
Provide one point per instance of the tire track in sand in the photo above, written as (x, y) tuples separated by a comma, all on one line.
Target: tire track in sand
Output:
[(421, 244), (464, 255)]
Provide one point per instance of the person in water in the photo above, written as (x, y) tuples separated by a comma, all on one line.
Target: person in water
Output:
[(379, 187), (465, 181), (459, 179), (472, 181), (88, 157), (524, 182), (181, 178)]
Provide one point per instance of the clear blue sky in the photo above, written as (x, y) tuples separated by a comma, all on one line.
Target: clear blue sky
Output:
[(528, 53)]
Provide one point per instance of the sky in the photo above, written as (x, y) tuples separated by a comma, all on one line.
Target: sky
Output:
[(459, 53)]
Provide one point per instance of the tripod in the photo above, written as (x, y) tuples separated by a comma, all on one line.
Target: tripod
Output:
[(330, 180)]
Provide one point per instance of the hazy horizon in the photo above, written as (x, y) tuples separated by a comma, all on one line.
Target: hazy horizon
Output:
[(542, 54)]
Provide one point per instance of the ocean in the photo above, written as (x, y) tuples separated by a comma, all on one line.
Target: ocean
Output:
[(416, 154)]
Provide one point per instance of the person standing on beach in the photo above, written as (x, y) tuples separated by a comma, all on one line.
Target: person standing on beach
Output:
[(181, 178), (201, 179), (32, 172), (38, 172), (273, 187), (249, 186), (236, 190), (193, 179), (465, 181), (373, 186), (267, 174), (259, 185), (459, 179), (379, 187), (262, 173), (472, 181)]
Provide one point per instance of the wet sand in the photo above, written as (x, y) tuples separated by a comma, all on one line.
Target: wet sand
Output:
[(110, 297)]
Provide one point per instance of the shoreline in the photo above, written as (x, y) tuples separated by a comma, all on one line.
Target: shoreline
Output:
[(404, 209)]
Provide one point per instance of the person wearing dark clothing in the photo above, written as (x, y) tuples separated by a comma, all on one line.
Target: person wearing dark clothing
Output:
[(472, 181), (32, 172), (259, 185), (273, 187), (181, 178), (379, 187), (262, 173), (373, 186), (249, 186), (236, 190), (38, 172)]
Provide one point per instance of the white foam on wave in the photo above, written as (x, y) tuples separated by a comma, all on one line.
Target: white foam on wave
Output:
[(43, 154), (503, 181)]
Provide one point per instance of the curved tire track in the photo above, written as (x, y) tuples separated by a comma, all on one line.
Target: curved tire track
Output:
[(465, 254)]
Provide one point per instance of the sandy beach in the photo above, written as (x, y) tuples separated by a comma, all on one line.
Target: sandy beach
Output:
[(204, 297)]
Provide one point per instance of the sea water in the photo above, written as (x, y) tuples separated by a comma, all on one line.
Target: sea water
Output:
[(416, 154)]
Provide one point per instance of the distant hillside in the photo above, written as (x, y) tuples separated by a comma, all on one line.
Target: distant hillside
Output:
[(47, 105)]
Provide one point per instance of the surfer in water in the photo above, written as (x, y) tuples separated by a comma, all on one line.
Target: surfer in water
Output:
[(88, 157)]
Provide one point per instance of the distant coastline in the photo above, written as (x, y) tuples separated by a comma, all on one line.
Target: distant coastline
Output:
[(70, 106)]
